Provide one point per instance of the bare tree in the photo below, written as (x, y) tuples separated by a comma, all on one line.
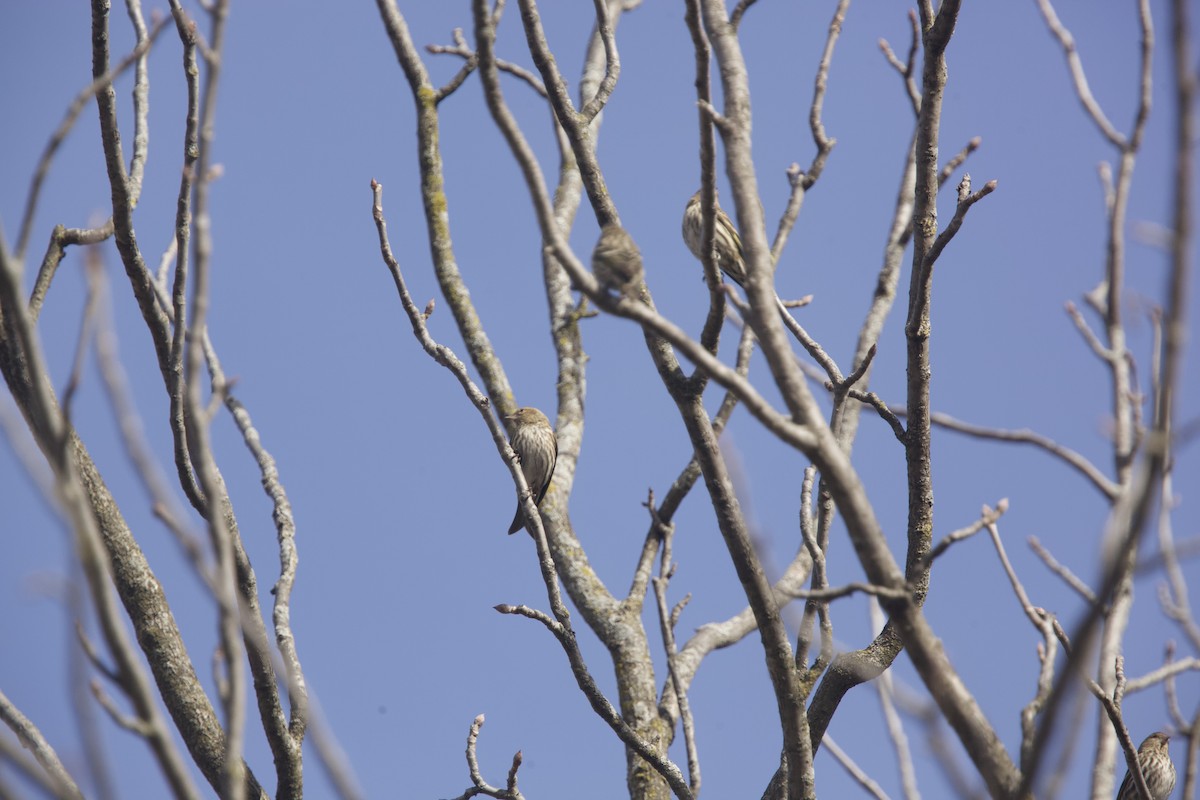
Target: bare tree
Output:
[(801, 396)]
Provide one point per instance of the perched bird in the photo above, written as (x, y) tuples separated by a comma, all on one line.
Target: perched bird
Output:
[(616, 261), (726, 242), (534, 442), (1155, 760)]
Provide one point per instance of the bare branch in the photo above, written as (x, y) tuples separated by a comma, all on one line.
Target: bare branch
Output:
[(559, 625), (200, 125)]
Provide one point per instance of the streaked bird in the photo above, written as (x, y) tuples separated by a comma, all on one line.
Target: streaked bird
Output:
[(533, 440), (726, 242), (616, 260), (1155, 760)]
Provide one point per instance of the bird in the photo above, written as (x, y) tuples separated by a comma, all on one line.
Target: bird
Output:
[(726, 241), (1155, 760), (616, 260), (534, 442)]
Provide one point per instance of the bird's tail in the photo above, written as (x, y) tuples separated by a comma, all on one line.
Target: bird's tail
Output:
[(518, 521)]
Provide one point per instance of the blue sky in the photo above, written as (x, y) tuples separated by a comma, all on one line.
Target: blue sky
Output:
[(399, 497)]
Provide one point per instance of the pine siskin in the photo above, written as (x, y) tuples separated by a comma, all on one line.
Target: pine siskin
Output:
[(726, 241), (534, 441), (616, 261), (1155, 760)]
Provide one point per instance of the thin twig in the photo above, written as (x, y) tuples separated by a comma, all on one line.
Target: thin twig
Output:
[(1069, 577), (612, 62), (479, 785), (86, 333), (881, 408), (1089, 336), (710, 334), (852, 588), (667, 622), (1160, 675), (895, 727), (987, 517), (33, 741), (1078, 76), (735, 17), (1024, 436), (462, 50), (13, 755), (824, 143), (966, 199), (856, 772), (957, 159), (907, 68), (68, 122)]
